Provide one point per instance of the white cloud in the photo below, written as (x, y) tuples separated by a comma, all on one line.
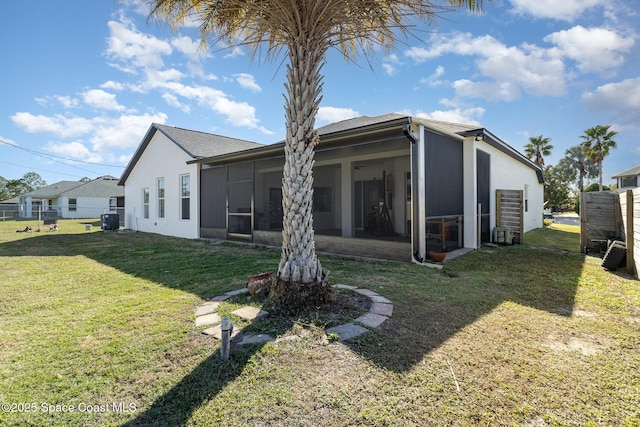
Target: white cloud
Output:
[(389, 64), (621, 100), (247, 81), (123, 132), (389, 69), (66, 102), (192, 49), (73, 150), (239, 114), (111, 85), (58, 124), (173, 101), (235, 52), (105, 133), (567, 10), (509, 69), (595, 49), (132, 49), (335, 114), (100, 99), (468, 116), (154, 79), (434, 79)]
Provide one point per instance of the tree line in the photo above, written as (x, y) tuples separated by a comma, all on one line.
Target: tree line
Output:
[(581, 162), (10, 188)]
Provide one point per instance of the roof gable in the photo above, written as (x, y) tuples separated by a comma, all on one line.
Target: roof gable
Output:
[(195, 144), (104, 186), (631, 172), (53, 190)]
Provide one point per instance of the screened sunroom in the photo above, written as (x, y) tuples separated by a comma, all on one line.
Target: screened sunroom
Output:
[(391, 187)]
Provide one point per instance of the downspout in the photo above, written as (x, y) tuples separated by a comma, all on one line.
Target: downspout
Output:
[(417, 197), (406, 129)]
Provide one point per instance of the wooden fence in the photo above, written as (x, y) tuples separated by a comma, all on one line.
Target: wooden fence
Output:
[(630, 211), (606, 215), (509, 207)]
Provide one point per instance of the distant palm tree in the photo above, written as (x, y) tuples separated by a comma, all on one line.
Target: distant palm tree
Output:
[(537, 148), (578, 161), (598, 141), (305, 30)]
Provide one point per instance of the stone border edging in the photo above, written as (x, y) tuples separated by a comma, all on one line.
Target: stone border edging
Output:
[(381, 309)]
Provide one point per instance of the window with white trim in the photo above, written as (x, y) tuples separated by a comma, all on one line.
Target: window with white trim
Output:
[(161, 201), (145, 203), (185, 197)]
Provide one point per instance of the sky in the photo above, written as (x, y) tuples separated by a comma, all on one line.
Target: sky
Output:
[(81, 82)]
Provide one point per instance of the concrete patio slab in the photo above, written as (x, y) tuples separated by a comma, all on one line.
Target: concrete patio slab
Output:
[(206, 309), (382, 309), (366, 292), (216, 332), (378, 298), (250, 313), (347, 287), (372, 320), (207, 319), (237, 292), (347, 331), (251, 338)]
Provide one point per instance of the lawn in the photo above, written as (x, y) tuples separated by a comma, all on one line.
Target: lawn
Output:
[(97, 328)]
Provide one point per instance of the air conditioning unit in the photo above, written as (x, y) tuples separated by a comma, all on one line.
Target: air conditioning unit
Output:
[(503, 235), (110, 221)]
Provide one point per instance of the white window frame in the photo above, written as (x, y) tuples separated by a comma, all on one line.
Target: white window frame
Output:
[(146, 196), (161, 190), (185, 197)]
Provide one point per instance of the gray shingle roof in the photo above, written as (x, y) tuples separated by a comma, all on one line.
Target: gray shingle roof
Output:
[(631, 172), (357, 122), (53, 190), (196, 144), (201, 144), (362, 121), (104, 186)]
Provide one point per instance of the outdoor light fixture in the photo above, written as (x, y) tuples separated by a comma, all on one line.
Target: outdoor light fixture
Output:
[(480, 137)]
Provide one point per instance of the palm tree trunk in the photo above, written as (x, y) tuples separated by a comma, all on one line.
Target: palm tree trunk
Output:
[(301, 279), (600, 174)]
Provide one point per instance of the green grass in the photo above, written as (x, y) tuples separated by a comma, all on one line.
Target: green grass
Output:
[(521, 335)]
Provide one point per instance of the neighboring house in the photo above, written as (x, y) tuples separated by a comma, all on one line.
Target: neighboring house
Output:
[(628, 179), (10, 208), (390, 186), (74, 199)]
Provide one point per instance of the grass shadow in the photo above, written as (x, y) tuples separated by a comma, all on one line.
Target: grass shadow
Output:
[(203, 383), (430, 306)]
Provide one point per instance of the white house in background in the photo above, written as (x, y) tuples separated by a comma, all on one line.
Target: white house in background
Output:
[(161, 185), (628, 179), (74, 199), (390, 186)]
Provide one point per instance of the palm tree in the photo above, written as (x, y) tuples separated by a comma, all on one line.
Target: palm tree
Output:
[(597, 143), (577, 161), (305, 30), (538, 147)]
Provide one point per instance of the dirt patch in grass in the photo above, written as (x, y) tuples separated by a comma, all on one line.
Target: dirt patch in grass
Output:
[(588, 346), (348, 306)]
